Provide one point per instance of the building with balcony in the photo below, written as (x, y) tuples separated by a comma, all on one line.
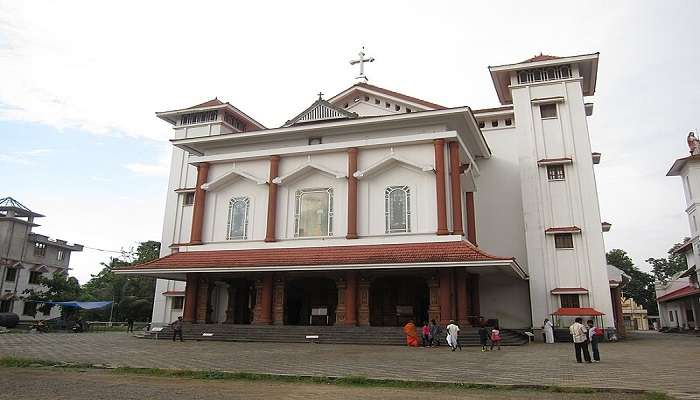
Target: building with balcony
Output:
[(25, 257), (373, 208)]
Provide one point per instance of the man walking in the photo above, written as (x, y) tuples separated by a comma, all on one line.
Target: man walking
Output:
[(580, 336), (177, 328)]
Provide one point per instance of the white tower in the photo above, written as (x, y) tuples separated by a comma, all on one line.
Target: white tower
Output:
[(565, 249)]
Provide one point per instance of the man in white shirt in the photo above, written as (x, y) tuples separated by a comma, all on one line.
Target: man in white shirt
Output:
[(453, 336), (580, 335)]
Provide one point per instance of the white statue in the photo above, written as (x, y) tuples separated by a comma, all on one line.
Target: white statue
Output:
[(693, 144)]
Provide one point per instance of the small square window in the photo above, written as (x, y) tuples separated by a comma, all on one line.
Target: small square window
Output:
[(39, 249), (315, 140), (482, 124), (178, 302), (509, 122), (548, 110), (570, 301), (494, 124), (187, 198), (556, 172), (563, 241), (11, 274)]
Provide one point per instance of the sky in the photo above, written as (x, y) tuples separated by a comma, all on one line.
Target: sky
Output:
[(80, 82)]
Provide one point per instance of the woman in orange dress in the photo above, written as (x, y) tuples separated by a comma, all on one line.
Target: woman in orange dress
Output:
[(411, 335)]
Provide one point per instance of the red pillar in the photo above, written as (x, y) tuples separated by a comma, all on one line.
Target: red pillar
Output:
[(462, 299), (198, 211), (351, 298), (189, 313), (440, 186), (352, 194), (455, 189), (445, 292), (471, 218), (266, 300), (270, 235)]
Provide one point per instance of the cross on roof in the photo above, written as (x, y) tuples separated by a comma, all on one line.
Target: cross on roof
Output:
[(362, 60)]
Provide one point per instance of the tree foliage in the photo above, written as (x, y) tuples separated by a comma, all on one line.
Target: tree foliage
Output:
[(641, 286), (665, 268)]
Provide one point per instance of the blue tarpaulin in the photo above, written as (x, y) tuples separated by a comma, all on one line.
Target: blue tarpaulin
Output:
[(83, 305)]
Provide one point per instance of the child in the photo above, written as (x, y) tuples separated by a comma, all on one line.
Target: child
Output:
[(593, 337), (495, 338), (483, 336)]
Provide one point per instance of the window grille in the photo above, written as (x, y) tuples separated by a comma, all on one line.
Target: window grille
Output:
[(237, 227), (397, 209)]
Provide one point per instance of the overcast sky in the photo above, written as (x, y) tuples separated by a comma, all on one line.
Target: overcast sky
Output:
[(80, 82)]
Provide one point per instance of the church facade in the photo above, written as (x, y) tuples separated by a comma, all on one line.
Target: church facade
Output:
[(373, 208)]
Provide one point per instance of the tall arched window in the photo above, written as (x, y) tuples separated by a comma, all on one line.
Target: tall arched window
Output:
[(397, 209), (237, 228)]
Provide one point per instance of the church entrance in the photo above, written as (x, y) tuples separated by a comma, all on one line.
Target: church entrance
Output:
[(394, 300), (310, 301)]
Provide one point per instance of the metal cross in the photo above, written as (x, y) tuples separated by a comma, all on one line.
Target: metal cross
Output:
[(362, 60)]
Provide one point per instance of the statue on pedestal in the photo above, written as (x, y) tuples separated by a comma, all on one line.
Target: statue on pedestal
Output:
[(693, 144)]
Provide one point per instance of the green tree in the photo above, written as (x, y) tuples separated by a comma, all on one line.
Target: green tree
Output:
[(132, 295), (665, 268), (641, 285), (57, 287)]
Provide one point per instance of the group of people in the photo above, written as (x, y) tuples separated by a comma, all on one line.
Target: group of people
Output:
[(430, 334)]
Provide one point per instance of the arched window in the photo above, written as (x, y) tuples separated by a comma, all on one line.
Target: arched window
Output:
[(237, 228), (397, 209)]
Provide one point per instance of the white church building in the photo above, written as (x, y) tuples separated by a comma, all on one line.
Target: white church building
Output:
[(372, 208)]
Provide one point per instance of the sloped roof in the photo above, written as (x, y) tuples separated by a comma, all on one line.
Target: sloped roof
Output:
[(401, 96), (308, 257), (10, 204), (320, 111)]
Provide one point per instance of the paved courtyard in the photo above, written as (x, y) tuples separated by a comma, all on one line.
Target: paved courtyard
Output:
[(650, 361)]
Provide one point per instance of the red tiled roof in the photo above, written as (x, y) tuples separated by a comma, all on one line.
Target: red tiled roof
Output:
[(577, 312), (677, 294), (541, 57), (397, 95), (563, 229), (437, 252), (565, 290)]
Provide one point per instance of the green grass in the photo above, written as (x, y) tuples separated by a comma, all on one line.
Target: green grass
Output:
[(353, 381)]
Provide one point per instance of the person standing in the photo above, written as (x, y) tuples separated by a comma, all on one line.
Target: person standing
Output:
[(593, 338), (411, 335), (483, 336), (495, 337), (177, 328), (435, 331), (453, 336), (580, 336), (548, 328)]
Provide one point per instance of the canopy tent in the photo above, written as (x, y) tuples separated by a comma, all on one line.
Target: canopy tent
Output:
[(82, 305)]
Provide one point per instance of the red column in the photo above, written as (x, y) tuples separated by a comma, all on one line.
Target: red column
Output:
[(440, 186), (455, 189), (198, 211), (351, 298), (352, 194), (266, 300), (445, 301), (189, 313), (471, 218), (462, 299), (270, 235)]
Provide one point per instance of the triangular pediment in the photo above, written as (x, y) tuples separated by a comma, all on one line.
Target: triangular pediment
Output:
[(320, 111)]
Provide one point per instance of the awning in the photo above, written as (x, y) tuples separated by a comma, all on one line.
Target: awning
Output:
[(577, 312), (83, 305), (678, 294)]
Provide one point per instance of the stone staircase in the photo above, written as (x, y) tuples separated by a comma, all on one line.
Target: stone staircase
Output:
[(326, 334)]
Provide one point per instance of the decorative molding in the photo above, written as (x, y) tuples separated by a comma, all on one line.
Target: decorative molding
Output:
[(305, 168), (231, 176), (386, 162)]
